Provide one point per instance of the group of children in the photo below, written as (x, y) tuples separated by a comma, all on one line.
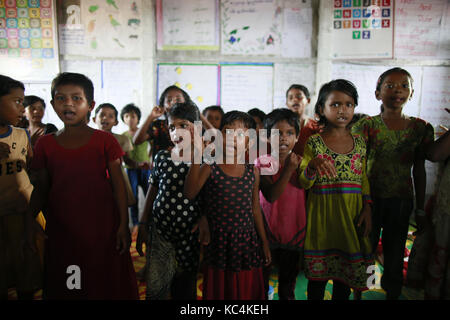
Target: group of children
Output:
[(339, 183)]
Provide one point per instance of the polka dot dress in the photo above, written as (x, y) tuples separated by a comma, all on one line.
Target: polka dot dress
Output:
[(174, 216), (235, 245)]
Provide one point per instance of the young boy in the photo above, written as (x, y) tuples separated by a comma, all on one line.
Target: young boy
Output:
[(214, 115), (105, 118), (19, 265), (138, 164)]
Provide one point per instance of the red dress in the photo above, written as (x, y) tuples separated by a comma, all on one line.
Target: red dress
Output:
[(311, 127), (82, 221)]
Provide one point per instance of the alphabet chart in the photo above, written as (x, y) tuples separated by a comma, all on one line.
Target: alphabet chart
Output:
[(28, 46), (363, 29)]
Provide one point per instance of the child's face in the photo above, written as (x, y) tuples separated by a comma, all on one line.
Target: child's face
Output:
[(287, 137), (296, 101), (239, 137), (71, 105), (173, 96), (105, 119), (35, 112), (131, 119), (214, 117), (11, 107), (395, 91), (178, 129), (338, 109)]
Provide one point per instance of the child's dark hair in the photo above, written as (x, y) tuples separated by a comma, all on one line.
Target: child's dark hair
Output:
[(7, 84), (341, 85), (29, 100), (255, 112), (356, 118), (391, 71), (166, 91), (233, 116), (185, 110), (299, 87), (213, 108), (106, 105), (282, 114), (131, 107), (77, 79)]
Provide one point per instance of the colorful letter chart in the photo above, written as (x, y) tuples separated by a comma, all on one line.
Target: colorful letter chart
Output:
[(27, 38), (363, 29)]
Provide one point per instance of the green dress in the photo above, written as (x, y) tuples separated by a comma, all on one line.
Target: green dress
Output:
[(334, 248)]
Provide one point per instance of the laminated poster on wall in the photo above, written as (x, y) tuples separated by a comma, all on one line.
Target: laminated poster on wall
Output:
[(100, 28), (251, 27), (362, 29), (187, 25), (28, 45)]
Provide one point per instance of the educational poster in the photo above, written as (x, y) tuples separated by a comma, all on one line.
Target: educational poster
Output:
[(419, 27), (297, 30), (187, 25), (363, 29), (245, 86), (286, 74), (251, 27), (28, 45), (100, 28), (365, 79), (200, 81)]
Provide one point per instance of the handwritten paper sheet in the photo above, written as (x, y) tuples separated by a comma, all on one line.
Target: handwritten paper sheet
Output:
[(100, 28), (297, 32), (362, 30), (251, 27), (187, 25), (199, 81), (419, 28), (286, 74), (247, 86)]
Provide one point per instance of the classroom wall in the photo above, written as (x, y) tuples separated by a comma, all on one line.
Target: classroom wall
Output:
[(128, 62)]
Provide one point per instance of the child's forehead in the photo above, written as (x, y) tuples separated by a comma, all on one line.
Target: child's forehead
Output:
[(216, 112), (236, 124), (295, 91), (106, 109), (283, 123), (175, 120), (397, 76), (69, 89), (16, 92)]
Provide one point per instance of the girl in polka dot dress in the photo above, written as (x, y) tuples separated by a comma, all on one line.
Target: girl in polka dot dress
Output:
[(172, 220), (230, 195)]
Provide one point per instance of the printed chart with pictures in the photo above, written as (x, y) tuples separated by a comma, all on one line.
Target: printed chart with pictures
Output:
[(100, 28), (28, 46), (363, 29), (200, 81), (251, 27)]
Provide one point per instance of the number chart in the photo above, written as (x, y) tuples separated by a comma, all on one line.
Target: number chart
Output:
[(363, 29), (28, 47)]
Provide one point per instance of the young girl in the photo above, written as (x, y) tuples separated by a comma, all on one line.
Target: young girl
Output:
[(297, 100), (19, 265), (34, 112), (283, 203), (173, 257), (337, 246), (235, 256), (79, 176), (395, 143)]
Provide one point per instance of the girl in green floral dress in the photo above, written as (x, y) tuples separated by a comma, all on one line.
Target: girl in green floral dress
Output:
[(396, 143), (337, 246)]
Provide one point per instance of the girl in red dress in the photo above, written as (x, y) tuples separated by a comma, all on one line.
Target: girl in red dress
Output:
[(78, 176)]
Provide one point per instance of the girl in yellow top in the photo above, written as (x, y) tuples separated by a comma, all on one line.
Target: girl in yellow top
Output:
[(337, 246)]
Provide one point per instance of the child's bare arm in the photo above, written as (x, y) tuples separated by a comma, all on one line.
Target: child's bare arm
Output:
[(41, 186), (141, 134), (195, 179), (259, 223), (145, 219), (120, 195), (439, 150)]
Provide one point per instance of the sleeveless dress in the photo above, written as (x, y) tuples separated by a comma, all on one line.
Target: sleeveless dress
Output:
[(82, 221), (233, 259)]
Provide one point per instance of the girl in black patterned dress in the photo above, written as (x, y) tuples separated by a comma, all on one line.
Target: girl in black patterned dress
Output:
[(172, 219), (238, 247)]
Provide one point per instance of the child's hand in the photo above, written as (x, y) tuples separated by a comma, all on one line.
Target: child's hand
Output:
[(204, 236), (365, 218), (4, 150), (36, 135), (141, 239), (323, 166), (123, 239), (293, 161), (267, 254), (144, 165), (157, 112)]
